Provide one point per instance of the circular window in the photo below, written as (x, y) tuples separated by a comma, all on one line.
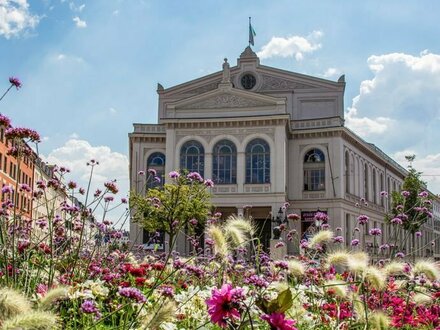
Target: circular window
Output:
[(248, 81)]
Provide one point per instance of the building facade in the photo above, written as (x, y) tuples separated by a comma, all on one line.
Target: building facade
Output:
[(13, 173), (266, 137)]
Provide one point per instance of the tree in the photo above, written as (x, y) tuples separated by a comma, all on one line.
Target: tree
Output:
[(182, 204), (412, 206)]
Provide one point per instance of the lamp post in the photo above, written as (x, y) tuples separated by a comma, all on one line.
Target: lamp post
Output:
[(280, 219)]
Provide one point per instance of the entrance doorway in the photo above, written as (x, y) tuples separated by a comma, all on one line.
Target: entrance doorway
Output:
[(262, 219)]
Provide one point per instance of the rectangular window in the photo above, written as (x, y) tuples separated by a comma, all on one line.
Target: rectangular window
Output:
[(314, 179), (5, 165)]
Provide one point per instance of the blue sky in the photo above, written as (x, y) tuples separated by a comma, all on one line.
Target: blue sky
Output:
[(90, 68)]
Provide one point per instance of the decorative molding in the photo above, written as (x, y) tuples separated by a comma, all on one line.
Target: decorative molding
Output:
[(239, 133), (257, 188), (202, 89), (275, 83), (224, 189), (317, 123), (313, 195), (225, 100)]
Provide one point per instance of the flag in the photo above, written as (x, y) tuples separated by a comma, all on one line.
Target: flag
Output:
[(252, 33)]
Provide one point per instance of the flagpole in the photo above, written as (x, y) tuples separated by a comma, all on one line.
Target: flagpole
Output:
[(249, 31)]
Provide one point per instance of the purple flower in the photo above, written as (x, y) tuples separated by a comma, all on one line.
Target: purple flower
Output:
[(396, 221), (321, 216), (111, 186), (424, 194), (405, 193), (7, 190), (338, 229), (174, 175), (257, 281), (384, 194), (363, 219), (384, 247), (157, 179), (141, 173), (375, 232), (338, 239), (152, 171), (89, 307), (15, 82), (132, 293), (400, 255), (209, 183), (304, 244), (355, 242), (195, 176), (167, 291), (418, 234), (108, 199), (124, 200), (4, 121), (193, 222)]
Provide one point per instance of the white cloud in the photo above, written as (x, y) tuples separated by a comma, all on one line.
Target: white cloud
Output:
[(15, 18), (294, 46), (365, 126), (115, 12), (79, 23), (428, 164), (75, 154), (76, 8), (331, 73), (112, 111), (399, 107)]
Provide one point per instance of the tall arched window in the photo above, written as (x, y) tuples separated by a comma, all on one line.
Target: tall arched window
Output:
[(224, 163), (257, 161), (156, 161), (366, 183), (382, 188), (347, 172), (374, 186), (314, 170), (192, 157)]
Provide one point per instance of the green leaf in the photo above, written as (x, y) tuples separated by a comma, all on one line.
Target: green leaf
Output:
[(284, 301)]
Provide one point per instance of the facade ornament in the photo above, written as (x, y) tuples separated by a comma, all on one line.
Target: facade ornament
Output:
[(226, 72)]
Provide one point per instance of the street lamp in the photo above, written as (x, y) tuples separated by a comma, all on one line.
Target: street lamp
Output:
[(280, 219)]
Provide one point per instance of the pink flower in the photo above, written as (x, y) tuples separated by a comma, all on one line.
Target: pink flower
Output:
[(15, 81), (225, 304), (278, 321)]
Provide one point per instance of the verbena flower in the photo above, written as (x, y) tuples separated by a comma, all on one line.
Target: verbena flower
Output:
[(15, 82), (132, 293), (363, 219), (174, 175)]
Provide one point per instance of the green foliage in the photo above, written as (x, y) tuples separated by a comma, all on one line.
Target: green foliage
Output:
[(280, 304), (414, 185), (171, 207)]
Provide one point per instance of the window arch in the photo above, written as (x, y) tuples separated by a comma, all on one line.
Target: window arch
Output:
[(224, 162), (374, 186), (192, 157), (257, 161), (366, 183), (314, 170), (347, 172), (156, 161)]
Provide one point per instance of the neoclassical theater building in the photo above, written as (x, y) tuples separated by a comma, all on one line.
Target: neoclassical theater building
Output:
[(267, 136)]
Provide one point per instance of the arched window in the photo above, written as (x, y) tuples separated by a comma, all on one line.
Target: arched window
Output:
[(347, 172), (314, 170), (224, 163), (257, 162), (156, 161), (374, 186), (366, 183), (382, 188), (192, 157)]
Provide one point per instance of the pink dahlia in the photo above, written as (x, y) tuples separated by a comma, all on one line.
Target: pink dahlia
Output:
[(225, 304), (278, 321)]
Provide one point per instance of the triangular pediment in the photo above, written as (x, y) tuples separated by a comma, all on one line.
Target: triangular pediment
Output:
[(225, 96)]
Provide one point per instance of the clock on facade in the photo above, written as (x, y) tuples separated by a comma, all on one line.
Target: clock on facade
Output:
[(248, 81)]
